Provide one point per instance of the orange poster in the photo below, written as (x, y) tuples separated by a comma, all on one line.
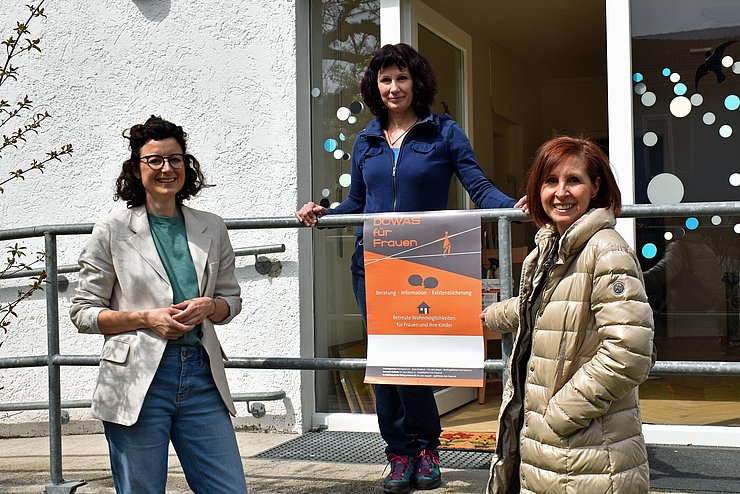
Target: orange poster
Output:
[(423, 295)]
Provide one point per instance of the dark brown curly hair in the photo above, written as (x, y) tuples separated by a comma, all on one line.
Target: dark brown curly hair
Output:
[(406, 57), (128, 184)]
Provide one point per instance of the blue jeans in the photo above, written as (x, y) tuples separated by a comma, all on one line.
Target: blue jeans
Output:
[(407, 415), (182, 406)]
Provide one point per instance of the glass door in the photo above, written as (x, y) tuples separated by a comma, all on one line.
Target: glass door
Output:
[(685, 86), (344, 35), (448, 50)]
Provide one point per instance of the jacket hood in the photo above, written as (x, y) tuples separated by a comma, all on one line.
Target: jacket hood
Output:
[(576, 236)]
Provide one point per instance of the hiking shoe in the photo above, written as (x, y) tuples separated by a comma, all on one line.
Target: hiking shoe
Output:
[(427, 474), (402, 471)]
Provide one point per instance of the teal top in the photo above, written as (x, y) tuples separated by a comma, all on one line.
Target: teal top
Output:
[(171, 241)]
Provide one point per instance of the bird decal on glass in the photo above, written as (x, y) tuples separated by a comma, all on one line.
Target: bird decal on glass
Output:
[(712, 63)]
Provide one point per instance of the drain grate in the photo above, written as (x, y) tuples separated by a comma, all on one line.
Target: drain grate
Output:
[(360, 447)]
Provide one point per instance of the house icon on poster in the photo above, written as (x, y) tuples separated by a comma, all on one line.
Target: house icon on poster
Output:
[(423, 308)]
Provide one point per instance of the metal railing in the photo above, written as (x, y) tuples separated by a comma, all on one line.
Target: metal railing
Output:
[(53, 360)]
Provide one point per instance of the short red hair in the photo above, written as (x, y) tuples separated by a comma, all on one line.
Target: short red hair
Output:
[(556, 151)]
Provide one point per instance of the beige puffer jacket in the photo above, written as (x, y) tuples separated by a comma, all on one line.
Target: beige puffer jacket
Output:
[(591, 346)]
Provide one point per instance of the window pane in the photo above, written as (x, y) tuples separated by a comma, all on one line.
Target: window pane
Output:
[(449, 68), (345, 34), (686, 80)]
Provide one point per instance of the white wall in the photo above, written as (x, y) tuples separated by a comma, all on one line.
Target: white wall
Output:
[(226, 72)]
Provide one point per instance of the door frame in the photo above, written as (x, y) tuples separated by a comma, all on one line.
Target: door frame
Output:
[(421, 14), (398, 21)]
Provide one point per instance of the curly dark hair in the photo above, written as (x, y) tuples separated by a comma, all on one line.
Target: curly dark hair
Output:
[(402, 56), (556, 151), (128, 184)]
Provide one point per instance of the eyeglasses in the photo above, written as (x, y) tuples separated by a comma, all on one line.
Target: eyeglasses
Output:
[(156, 162)]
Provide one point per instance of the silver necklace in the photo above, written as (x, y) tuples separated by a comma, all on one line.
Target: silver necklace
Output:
[(393, 142)]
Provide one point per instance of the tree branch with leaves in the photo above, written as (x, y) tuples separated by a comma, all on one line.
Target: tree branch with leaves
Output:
[(22, 122)]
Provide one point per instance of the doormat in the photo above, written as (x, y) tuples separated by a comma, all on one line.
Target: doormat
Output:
[(468, 441), (359, 447)]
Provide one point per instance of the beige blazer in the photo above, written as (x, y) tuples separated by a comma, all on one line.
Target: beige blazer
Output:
[(121, 270)]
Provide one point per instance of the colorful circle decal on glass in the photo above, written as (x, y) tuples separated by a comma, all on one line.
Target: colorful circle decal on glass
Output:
[(345, 179), (648, 99), (343, 113), (649, 251), (692, 223), (650, 139), (716, 220), (665, 188), (640, 88), (680, 89), (316, 92), (696, 99), (732, 102), (330, 145), (637, 77), (668, 235), (666, 72), (725, 131), (709, 118), (680, 106), (735, 179)]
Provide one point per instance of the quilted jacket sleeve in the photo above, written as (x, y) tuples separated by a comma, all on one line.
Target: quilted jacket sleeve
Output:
[(503, 317), (624, 324)]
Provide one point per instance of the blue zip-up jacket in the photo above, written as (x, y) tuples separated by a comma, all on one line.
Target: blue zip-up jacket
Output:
[(431, 152)]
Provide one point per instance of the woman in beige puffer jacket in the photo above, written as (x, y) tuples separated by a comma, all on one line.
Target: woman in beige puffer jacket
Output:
[(570, 419)]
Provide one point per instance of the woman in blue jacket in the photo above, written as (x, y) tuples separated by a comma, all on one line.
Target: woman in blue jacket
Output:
[(404, 161)]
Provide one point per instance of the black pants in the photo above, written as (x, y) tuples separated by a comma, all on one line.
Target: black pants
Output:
[(407, 415)]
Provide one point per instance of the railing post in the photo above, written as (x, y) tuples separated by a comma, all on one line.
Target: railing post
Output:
[(52, 341), (507, 287), (58, 485)]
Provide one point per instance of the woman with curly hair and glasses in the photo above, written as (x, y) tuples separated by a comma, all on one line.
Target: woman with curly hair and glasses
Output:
[(404, 160), (154, 280)]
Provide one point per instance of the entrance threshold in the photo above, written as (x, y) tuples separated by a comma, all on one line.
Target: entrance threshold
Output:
[(655, 434), (692, 435)]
